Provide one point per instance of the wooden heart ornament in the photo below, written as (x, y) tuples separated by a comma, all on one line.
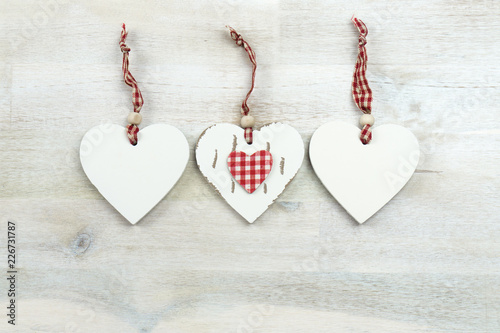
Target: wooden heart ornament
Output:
[(250, 176), (363, 178), (133, 179)]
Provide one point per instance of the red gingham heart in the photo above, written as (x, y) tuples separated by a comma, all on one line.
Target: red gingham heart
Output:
[(250, 171)]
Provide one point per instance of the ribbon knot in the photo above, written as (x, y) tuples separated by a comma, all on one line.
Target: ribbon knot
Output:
[(236, 37), (124, 48), (362, 41)]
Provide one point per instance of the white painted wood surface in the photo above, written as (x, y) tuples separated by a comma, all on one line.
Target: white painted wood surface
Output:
[(133, 179), (363, 177), (429, 261)]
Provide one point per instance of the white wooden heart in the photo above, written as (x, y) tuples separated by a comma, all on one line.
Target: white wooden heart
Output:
[(218, 141), (363, 178), (133, 179)]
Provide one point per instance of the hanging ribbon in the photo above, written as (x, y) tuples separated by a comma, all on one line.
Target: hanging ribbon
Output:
[(247, 121), (361, 91), (134, 118)]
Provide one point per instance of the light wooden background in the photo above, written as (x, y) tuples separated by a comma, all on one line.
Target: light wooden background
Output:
[(429, 261)]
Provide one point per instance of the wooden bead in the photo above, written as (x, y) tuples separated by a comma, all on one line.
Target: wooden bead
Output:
[(247, 121), (134, 118), (366, 119)]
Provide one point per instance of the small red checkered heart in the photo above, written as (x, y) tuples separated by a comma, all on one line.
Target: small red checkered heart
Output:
[(250, 171)]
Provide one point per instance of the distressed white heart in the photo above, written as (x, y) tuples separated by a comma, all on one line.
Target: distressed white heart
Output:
[(218, 141), (363, 178), (133, 179)]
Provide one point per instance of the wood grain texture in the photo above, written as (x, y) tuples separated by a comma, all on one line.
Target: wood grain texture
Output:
[(429, 261)]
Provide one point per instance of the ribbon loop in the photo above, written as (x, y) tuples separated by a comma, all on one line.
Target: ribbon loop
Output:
[(245, 110), (361, 92), (137, 100)]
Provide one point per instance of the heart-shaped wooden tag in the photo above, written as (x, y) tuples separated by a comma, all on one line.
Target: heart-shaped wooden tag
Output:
[(133, 179), (363, 178), (281, 144)]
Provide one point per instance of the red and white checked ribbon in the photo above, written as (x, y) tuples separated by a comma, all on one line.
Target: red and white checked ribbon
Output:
[(137, 100), (361, 91), (245, 110), (250, 171)]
